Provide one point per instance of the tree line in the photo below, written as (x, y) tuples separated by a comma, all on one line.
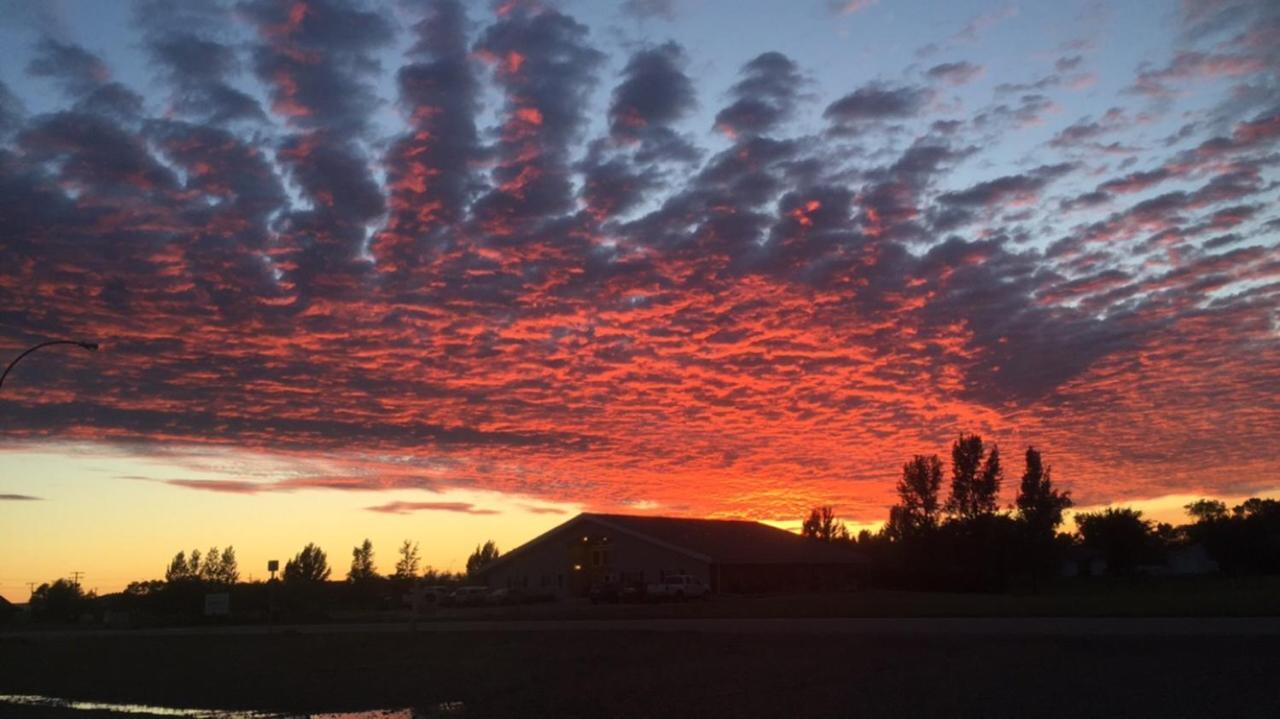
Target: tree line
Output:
[(305, 590), (965, 540)]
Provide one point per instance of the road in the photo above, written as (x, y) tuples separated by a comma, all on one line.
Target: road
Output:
[(877, 626)]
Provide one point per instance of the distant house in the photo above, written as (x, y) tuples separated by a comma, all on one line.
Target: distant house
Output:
[(1191, 559), (727, 555), (1083, 562)]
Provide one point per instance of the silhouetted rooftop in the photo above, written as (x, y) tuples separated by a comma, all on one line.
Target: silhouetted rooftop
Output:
[(719, 541), (728, 541)]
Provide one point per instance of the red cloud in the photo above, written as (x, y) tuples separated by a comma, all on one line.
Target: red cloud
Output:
[(407, 507)]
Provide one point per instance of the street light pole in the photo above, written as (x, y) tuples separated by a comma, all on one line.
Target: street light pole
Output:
[(90, 346)]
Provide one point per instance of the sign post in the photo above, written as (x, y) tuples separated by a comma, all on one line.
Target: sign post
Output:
[(272, 566)]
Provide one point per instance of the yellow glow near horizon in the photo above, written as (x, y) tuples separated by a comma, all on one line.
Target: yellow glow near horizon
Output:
[(112, 517), (110, 514)]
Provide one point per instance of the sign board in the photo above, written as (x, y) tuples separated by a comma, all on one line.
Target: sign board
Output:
[(217, 605), (273, 565)]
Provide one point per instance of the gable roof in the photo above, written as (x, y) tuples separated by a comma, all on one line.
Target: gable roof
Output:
[(731, 541), (715, 541)]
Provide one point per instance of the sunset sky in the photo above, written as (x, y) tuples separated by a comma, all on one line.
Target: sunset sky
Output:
[(451, 271)]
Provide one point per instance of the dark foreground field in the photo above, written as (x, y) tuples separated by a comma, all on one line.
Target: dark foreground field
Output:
[(643, 674)]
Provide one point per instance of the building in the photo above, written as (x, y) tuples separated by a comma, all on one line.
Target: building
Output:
[(728, 555)]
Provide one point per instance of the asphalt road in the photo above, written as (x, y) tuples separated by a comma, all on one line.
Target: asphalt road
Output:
[(877, 626)]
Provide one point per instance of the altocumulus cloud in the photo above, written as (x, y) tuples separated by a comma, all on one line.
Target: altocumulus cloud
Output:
[(454, 247)]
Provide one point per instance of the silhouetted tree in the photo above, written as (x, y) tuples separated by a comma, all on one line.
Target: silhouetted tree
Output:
[(178, 569), (918, 506), (821, 524), (484, 554), (986, 495), (1121, 535), (219, 567), (213, 567), (362, 569), (228, 568), (309, 565), (144, 588), (61, 601), (1040, 506), (407, 565), (975, 484), (1040, 509), (1207, 510), (1246, 539)]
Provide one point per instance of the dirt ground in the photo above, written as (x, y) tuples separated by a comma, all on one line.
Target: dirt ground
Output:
[(646, 674)]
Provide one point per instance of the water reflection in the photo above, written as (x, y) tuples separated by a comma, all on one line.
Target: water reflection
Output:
[(443, 709)]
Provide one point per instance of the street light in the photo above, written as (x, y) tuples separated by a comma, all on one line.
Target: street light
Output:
[(90, 346)]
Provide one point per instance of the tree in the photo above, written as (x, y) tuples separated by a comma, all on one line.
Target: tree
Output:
[(986, 495), (1121, 535), (211, 568), (228, 568), (918, 508), (483, 555), (178, 569), (61, 601), (362, 563), (1246, 539), (144, 588), (407, 565), (1207, 510), (975, 483), (822, 524), (309, 565), (1040, 506), (1039, 512)]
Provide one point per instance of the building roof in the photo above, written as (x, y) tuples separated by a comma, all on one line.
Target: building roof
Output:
[(716, 541)]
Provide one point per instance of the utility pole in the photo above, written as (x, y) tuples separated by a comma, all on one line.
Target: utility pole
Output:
[(31, 587), (75, 577)]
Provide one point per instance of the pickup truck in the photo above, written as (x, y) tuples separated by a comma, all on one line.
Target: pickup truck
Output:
[(678, 587)]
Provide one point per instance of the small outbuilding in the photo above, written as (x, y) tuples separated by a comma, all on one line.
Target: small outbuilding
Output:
[(729, 556)]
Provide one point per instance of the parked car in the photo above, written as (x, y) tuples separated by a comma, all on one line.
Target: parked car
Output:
[(421, 596), (432, 594), (469, 596), (605, 592), (506, 595), (678, 587)]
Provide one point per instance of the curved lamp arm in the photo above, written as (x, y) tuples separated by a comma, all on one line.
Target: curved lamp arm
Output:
[(90, 346)]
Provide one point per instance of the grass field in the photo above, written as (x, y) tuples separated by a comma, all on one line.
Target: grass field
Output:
[(641, 674), (570, 672), (1251, 596)]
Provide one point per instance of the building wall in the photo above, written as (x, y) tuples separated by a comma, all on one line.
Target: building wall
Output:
[(765, 578), (565, 565)]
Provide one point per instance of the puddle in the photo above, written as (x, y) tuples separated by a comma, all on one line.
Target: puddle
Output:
[(444, 709)]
